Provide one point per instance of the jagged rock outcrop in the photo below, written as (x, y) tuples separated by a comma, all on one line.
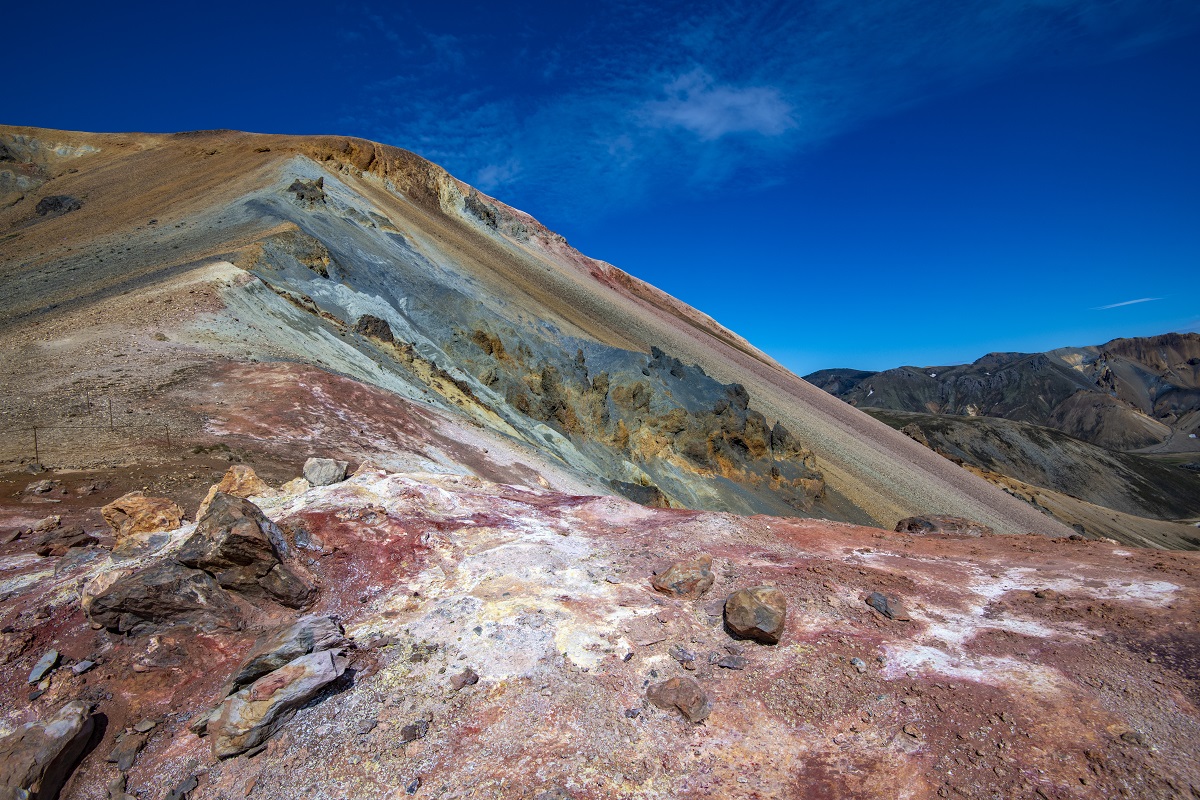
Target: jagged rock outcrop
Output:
[(239, 481), (236, 544), (274, 649), (943, 525)]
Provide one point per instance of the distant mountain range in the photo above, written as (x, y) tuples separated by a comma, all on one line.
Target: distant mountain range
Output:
[(1129, 409)]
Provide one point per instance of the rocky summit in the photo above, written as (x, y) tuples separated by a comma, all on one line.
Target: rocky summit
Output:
[(326, 475)]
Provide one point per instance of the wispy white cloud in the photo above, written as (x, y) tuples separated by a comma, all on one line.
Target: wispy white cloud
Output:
[(697, 103), (682, 96), (1126, 303)]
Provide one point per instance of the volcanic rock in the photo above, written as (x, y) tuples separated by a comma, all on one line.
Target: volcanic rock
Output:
[(933, 524), (249, 717), (757, 613), (239, 481), (37, 759), (414, 731), (890, 607), (136, 513), (240, 547), (374, 327), (274, 649), (57, 204), (140, 601), (57, 542), (686, 578), (324, 471), (462, 680), (126, 749), (683, 694)]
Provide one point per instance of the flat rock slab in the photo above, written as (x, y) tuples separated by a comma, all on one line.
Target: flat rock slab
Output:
[(757, 613)]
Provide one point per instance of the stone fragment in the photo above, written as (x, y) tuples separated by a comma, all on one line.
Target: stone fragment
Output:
[(414, 731), (38, 757), (757, 613), (166, 593), (309, 634), (252, 715), (859, 665), (47, 523), (686, 578), (82, 667), (126, 748), (890, 607), (44, 666), (145, 725), (933, 524), (732, 662), (683, 694), (135, 513), (466, 678), (183, 790), (239, 481), (324, 471), (57, 542)]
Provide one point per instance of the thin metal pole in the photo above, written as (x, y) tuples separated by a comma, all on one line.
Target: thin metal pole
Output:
[(167, 425), (87, 395), (37, 457), (111, 425)]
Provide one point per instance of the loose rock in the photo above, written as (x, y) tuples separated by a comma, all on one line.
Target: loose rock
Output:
[(683, 694), (44, 666), (932, 524), (686, 578), (37, 758), (466, 678), (417, 730), (324, 471), (890, 607), (757, 613)]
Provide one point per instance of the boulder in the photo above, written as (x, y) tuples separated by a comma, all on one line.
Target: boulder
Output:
[(232, 533), (890, 607), (37, 758), (682, 694), (309, 634), (135, 513), (240, 547), (239, 481), (956, 526), (166, 593), (686, 578), (757, 613), (252, 715), (57, 204), (324, 471)]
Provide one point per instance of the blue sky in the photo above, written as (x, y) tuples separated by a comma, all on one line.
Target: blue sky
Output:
[(846, 183)]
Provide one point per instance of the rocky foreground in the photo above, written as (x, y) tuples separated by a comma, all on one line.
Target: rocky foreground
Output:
[(439, 636)]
